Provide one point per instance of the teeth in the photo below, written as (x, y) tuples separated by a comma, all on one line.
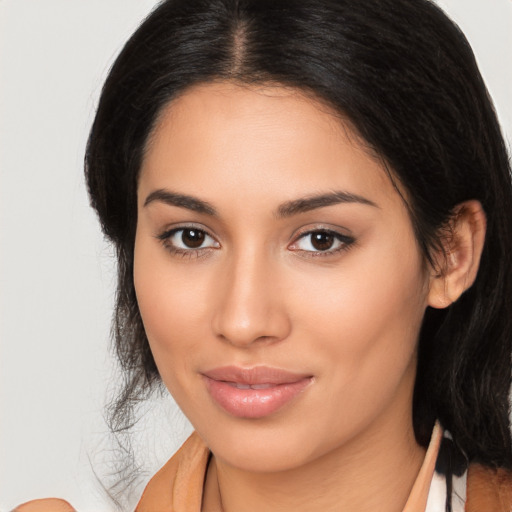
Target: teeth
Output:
[(240, 386), (261, 386), (249, 386)]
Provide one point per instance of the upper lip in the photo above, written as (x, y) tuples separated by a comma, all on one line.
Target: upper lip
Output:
[(254, 375)]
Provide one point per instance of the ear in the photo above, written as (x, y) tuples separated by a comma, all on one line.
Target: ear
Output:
[(457, 266)]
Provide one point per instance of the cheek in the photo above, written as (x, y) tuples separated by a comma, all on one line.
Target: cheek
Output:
[(365, 318), (173, 314)]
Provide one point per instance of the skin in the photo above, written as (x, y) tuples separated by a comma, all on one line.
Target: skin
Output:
[(258, 293)]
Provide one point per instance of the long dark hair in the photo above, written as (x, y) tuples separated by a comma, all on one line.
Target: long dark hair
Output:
[(405, 77)]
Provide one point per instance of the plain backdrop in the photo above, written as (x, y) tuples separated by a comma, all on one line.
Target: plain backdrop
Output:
[(56, 271)]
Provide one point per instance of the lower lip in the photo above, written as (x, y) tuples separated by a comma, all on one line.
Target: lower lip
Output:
[(254, 403)]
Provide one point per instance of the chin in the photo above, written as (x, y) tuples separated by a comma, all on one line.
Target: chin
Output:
[(255, 457), (257, 447)]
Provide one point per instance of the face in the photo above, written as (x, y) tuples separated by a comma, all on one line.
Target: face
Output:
[(278, 277)]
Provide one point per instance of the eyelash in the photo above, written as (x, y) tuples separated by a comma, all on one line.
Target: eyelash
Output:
[(345, 242)]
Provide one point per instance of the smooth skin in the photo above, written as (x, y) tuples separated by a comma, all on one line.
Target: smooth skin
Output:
[(336, 291)]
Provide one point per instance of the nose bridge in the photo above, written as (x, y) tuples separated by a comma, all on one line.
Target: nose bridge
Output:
[(249, 306)]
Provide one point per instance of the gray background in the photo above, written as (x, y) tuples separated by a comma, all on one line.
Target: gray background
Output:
[(56, 272)]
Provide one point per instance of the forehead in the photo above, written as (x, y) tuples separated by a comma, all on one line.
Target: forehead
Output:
[(247, 138)]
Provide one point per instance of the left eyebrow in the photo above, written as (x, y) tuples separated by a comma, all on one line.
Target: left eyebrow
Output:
[(306, 204)]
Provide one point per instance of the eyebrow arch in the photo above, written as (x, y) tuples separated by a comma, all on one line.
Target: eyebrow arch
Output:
[(181, 200), (307, 204)]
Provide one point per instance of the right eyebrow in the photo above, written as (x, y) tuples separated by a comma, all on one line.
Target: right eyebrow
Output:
[(180, 200)]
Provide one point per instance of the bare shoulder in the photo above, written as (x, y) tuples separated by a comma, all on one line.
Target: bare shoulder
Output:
[(46, 505)]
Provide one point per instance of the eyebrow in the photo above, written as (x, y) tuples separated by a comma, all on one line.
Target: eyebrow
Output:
[(181, 200), (287, 209), (309, 203)]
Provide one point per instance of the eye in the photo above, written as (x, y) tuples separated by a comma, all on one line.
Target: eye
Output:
[(322, 241), (187, 240)]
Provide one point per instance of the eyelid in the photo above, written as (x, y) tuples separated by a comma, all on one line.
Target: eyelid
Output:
[(173, 228), (328, 228)]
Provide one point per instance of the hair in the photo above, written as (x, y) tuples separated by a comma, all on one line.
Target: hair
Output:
[(406, 79)]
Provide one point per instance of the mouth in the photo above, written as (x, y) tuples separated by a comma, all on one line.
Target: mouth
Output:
[(254, 392)]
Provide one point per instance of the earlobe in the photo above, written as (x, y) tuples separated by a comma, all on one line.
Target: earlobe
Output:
[(458, 266)]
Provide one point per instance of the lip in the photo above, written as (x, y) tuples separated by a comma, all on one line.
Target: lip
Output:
[(253, 392)]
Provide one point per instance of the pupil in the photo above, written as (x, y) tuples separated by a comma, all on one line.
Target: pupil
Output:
[(192, 238), (322, 241)]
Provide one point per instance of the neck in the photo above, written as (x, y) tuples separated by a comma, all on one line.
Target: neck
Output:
[(374, 471)]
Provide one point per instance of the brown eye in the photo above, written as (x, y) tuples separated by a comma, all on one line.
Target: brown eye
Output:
[(188, 240), (193, 238), (322, 240)]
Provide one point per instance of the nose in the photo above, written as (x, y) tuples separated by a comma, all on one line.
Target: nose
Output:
[(250, 306)]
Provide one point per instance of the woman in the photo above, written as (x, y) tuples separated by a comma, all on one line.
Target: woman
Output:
[(311, 207)]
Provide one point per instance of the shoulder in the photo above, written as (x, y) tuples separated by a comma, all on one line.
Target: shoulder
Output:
[(45, 505), (488, 489)]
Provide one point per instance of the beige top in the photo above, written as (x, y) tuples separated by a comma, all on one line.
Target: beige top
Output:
[(187, 469), (178, 486)]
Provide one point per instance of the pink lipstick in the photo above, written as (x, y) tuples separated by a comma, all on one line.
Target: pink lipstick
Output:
[(253, 392)]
